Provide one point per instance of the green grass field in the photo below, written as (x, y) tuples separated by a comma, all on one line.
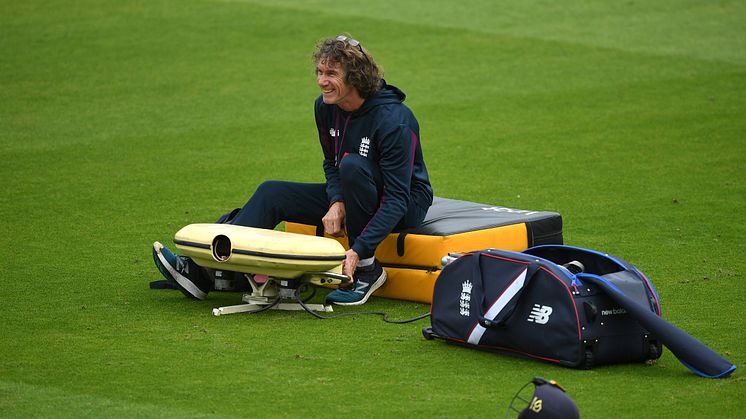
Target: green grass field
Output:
[(121, 122)]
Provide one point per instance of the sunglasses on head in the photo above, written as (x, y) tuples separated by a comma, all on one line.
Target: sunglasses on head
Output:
[(350, 41)]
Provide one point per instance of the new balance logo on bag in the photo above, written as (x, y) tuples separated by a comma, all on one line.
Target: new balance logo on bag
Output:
[(540, 314)]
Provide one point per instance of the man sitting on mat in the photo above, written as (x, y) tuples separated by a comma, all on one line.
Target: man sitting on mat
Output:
[(376, 180)]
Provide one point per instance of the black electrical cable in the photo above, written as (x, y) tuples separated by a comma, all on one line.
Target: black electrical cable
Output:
[(377, 313), (303, 288), (264, 308)]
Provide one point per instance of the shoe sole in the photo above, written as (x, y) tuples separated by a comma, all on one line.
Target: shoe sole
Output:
[(376, 285), (183, 281), (157, 246)]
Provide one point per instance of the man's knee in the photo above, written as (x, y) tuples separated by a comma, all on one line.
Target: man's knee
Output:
[(269, 188), (354, 166)]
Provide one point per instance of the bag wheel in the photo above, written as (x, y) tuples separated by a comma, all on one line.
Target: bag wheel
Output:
[(588, 361), (427, 332), (654, 352)]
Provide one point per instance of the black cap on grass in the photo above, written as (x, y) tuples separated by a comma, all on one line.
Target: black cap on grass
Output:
[(548, 401)]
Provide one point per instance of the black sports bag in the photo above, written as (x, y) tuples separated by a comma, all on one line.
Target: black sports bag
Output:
[(529, 304), (571, 306)]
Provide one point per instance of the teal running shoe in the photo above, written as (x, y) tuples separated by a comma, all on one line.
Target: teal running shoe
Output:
[(182, 270), (365, 281)]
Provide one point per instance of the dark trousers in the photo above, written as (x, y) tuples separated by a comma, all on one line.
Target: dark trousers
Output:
[(306, 203)]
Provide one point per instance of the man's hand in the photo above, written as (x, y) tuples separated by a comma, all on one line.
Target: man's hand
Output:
[(350, 263), (334, 220)]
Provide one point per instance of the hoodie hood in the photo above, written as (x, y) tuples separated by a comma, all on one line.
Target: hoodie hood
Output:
[(387, 94)]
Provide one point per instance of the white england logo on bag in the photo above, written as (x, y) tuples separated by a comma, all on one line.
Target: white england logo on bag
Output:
[(465, 300)]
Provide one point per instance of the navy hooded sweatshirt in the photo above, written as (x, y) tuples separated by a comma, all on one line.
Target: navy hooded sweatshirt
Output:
[(385, 131)]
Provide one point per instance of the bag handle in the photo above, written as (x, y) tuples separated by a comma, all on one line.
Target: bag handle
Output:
[(400, 244), (503, 307)]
